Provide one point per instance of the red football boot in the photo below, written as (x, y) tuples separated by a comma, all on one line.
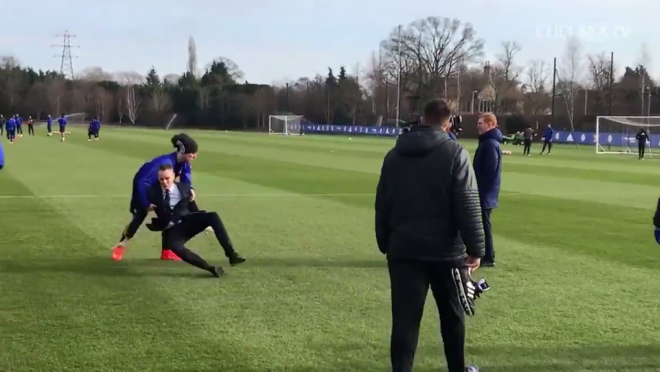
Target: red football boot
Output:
[(168, 255), (118, 252)]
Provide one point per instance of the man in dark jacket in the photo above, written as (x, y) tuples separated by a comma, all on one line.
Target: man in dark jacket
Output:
[(642, 139), (428, 224), (488, 169)]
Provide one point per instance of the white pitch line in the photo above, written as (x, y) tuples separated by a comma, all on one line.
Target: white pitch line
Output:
[(202, 195)]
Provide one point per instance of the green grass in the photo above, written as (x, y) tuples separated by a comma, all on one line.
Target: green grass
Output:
[(575, 289)]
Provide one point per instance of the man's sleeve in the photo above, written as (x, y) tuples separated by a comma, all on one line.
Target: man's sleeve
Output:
[(186, 175), (467, 208), (656, 217), (2, 157), (488, 164), (382, 212)]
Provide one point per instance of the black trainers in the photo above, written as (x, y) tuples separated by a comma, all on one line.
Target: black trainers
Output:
[(217, 271), (236, 259)]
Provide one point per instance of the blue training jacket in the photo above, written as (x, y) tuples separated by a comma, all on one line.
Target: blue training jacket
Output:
[(95, 125), (488, 167), (19, 121), (11, 124), (2, 157), (548, 134), (62, 121), (147, 175)]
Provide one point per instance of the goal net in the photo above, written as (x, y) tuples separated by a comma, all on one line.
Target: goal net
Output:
[(618, 134), (284, 124)]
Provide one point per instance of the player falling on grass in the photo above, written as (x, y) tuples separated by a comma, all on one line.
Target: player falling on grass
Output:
[(642, 139), (30, 124), (178, 224), (146, 177), (94, 129), (11, 129), (62, 122)]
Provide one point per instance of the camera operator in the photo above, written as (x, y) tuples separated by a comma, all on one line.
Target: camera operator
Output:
[(428, 224)]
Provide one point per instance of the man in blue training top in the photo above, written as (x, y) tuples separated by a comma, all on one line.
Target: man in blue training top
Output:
[(49, 125), (488, 169), (548, 136), (11, 129), (2, 157), (93, 130), (62, 122), (19, 125)]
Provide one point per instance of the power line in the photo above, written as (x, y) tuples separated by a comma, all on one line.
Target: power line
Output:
[(66, 63)]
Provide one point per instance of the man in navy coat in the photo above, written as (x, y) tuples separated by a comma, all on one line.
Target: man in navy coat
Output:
[(488, 168)]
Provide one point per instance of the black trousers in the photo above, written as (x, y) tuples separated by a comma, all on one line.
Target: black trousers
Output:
[(488, 231), (410, 281), (190, 226), (548, 144), (138, 217), (92, 134), (31, 130), (11, 134), (19, 130), (2, 129), (641, 149), (528, 146)]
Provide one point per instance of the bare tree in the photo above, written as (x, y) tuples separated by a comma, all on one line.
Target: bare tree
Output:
[(537, 76), (427, 53), (133, 106), (129, 78), (571, 73), (171, 78), (160, 100), (55, 90), (9, 62), (120, 101), (94, 74), (192, 56), (505, 77)]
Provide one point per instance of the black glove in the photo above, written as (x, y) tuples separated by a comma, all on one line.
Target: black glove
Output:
[(467, 289)]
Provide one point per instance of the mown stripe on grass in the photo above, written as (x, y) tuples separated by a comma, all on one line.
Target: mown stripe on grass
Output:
[(63, 309)]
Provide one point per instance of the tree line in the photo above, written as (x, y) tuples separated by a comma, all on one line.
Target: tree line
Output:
[(428, 58)]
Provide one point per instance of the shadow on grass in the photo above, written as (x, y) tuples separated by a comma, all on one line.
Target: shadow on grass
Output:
[(377, 263), (99, 266)]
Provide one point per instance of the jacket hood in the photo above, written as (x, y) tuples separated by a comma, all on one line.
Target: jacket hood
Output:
[(492, 134), (419, 141)]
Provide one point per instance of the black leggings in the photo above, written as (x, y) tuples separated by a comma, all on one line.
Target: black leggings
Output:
[(31, 130), (19, 130), (176, 237)]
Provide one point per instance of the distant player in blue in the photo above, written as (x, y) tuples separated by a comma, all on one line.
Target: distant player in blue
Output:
[(2, 157), (3, 121), (548, 135), (62, 122), (146, 177), (19, 125), (11, 129), (49, 125), (94, 129)]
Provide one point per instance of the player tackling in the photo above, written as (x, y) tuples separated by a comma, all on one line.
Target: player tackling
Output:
[(146, 177)]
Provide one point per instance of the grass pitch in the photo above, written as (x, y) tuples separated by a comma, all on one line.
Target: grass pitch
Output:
[(575, 290)]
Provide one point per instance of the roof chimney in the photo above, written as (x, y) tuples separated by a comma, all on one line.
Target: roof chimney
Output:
[(487, 69)]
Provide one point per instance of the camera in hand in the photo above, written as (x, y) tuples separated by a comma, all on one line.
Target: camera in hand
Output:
[(456, 124)]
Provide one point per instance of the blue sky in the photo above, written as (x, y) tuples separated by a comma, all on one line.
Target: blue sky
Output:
[(275, 41)]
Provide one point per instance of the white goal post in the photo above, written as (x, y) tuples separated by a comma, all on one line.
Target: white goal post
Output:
[(618, 134), (284, 124)]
